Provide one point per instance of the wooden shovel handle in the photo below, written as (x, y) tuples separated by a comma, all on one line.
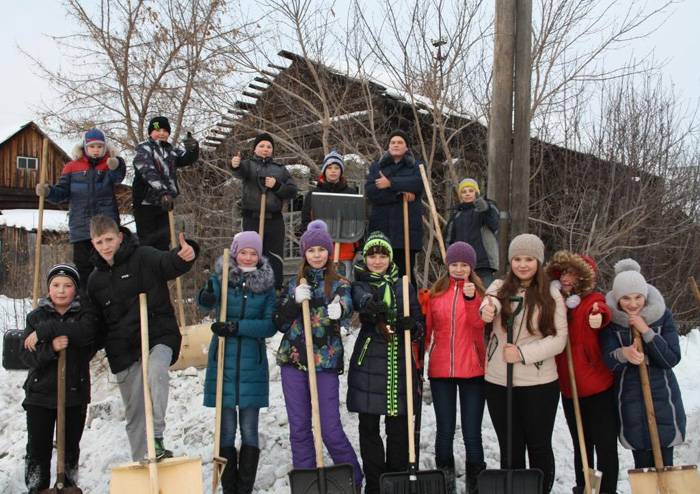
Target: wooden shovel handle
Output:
[(220, 355), (313, 389), (61, 420), (433, 211), (148, 406), (579, 421), (178, 283), (261, 220), (40, 222), (694, 288), (409, 375), (406, 238)]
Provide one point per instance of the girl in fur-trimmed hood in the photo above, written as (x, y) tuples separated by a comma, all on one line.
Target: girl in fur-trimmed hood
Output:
[(574, 275), (639, 309)]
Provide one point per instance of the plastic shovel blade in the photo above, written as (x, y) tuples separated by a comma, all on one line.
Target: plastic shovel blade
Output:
[(524, 481), (181, 475), (336, 479), (423, 482)]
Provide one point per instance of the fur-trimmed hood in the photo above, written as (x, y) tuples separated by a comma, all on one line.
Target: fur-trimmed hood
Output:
[(259, 281), (564, 259), (78, 151), (408, 159), (652, 311)]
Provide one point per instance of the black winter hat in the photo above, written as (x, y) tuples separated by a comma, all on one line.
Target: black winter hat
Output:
[(157, 123), (67, 270), (263, 137), (403, 135)]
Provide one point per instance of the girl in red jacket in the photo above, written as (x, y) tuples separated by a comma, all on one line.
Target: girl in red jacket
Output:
[(455, 340), (575, 276)]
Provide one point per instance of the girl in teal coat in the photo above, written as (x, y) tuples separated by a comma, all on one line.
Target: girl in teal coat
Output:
[(249, 310)]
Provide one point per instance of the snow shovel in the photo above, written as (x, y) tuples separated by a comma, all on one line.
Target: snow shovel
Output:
[(343, 213), (219, 461), (60, 486), (180, 475), (660, 479), (591, 476), (195, 338), (336, 479), (412, 481), (509, 480)]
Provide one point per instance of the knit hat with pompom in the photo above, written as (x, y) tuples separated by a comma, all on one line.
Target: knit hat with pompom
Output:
[(316, 234), (628, 279)]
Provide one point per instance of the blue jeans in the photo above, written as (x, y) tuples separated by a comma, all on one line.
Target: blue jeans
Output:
[(249, 426), (471, 406)]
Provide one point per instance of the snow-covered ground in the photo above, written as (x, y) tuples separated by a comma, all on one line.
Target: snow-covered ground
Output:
[(190, 425)]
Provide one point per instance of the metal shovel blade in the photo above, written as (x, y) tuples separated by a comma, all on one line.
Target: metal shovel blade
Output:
[(672, 480), (343, 213), (336, 479), (522, 481), (422, 482)]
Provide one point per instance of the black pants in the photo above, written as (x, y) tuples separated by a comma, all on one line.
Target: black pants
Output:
[(534, 411), (82, 257), (40, 432), (374, 461), (599, 418), (273, 241), (152, 226), (400, 260), (644, 458)]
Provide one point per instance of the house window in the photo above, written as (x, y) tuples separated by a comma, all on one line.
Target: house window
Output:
[(27, 163)]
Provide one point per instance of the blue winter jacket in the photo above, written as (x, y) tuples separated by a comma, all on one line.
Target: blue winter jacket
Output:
[(662, 354), (387, 204), (88, 184), (251, 302)]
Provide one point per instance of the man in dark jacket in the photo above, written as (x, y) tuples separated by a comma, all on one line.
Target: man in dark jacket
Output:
[(262, 175), (155, 182), (393, 176), (124, 270)]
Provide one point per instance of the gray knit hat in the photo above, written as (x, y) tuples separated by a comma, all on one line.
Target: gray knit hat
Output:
[(628, 279), (334, 157), (526, 244)]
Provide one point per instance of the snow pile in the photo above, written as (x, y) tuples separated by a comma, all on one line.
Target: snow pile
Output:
[(190, 425), (54, 221)]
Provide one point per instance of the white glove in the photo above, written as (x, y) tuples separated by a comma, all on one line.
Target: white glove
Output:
[(335, 310), (301, 293), (112, 163)]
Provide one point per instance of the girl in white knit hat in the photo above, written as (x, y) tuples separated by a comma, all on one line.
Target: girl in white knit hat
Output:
[(535, 311)]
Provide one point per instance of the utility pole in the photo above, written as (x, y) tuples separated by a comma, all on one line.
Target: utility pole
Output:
[(509, 146)]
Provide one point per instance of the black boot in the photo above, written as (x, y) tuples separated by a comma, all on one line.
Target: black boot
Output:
[(37, 475), (228, 478), (473, 471), (247, 468), (448, 469)]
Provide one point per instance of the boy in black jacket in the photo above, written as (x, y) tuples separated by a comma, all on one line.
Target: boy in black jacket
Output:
[(125, 269), (155, 182), (59, 322)]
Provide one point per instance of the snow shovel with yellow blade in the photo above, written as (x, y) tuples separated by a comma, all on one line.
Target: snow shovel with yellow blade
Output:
[(194, 348), (660, 479), (180, 475)]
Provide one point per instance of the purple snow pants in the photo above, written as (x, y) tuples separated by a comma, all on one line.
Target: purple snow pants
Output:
[(295, 385)]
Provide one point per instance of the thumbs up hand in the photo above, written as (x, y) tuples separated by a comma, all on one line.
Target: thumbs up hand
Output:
[(595, 318), (335, 310), (190, 143), (382, 182), (469, 289), (488, 311), (236, 160), (186, 252)]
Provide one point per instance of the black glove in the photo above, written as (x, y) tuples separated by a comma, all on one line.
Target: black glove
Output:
[(406, 323), (190, 143), (208, 297), (225, 329), (480, 205), (375, 306), (167, 203)]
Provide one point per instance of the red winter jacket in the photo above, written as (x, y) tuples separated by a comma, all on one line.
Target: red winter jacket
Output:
[(592, 375), (454, 334)]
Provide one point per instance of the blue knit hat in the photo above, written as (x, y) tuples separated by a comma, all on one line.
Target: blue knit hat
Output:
[(94, 136), (333, 158), (316, 234)]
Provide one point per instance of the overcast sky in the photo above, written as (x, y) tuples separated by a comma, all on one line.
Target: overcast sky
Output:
[(27, 23)]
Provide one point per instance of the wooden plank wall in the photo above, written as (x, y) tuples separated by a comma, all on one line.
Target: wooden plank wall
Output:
[(27, 142)]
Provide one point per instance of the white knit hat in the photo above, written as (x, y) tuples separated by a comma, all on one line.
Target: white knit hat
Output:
[(628, 279), (526, 244)]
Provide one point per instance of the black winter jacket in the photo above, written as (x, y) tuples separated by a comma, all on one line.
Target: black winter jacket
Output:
[(387, 204), (252, 173), (155, 163), (376, 375), (477, 228), (82, 326), (115, 290)]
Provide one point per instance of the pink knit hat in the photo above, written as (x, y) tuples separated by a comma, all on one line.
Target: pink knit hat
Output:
[(246, 240)]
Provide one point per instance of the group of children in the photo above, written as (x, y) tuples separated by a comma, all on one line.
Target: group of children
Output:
[(464, 328)]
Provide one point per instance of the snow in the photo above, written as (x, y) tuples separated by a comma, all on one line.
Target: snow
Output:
[(54, 221), (190, 425)]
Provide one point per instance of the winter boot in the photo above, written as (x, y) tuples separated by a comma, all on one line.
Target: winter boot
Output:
[(473, 471), (578, 490), (161, 452), (228, 478), (448, 469), (37, 475), (247, 468)]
